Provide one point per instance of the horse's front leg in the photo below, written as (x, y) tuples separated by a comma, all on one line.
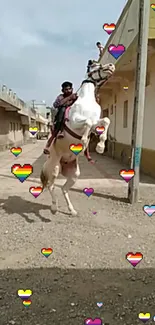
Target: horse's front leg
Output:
[(88, 125), (66, 187), (105, 122)]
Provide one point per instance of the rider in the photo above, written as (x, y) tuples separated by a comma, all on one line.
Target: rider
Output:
[(64, 100)]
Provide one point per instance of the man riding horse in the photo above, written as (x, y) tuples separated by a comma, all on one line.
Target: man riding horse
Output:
[(64, 100)]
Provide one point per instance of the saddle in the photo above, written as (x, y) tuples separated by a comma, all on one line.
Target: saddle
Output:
[(55, 134)]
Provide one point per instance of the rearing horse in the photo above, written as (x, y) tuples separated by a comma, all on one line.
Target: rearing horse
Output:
[(82, 118)]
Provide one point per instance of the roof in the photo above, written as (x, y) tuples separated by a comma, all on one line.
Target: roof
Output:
[(41, 119)]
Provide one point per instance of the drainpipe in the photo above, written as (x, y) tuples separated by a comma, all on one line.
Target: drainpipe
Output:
[(114, 147)]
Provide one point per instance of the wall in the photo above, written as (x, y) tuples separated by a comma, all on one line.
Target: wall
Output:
[(41, 109), (149, 115), (41, 127), (123, 135), (152, 22), (10, 134)]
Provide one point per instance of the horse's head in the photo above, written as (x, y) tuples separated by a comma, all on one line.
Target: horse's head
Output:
[(99, 73)]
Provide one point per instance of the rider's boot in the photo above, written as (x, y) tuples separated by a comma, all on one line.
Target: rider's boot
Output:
[(87, 154)]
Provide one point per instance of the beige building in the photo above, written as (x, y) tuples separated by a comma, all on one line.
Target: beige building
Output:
[(16, 117), (117, 95), (11, 130)]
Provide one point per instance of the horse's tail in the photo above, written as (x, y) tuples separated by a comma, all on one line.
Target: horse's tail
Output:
[(44, 179)]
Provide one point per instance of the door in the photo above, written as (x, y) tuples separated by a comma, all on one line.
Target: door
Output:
[(14, 131), (105, 112)]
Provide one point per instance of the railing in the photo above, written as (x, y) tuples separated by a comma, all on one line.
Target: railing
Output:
[(7, 95)]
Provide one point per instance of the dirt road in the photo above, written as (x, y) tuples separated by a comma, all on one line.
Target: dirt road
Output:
[(88, 262)]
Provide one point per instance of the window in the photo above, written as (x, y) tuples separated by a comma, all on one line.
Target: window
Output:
[(147, 83), (125, 114), (11, 126)]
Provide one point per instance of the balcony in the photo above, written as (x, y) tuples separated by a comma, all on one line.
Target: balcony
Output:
[(10, 101)]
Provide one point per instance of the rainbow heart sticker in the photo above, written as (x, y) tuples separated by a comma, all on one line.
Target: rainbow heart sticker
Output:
[(27, 302), (16, 151), (76, 148), (109, 28), (47, 251), (116, 51), (22, 172), (153, 6), (144, 317), (35, 191), (100, 129), (33, 131), (24, 294), (127, 175), (134, 259)]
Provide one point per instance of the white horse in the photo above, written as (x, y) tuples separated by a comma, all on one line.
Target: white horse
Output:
[(83, 118)]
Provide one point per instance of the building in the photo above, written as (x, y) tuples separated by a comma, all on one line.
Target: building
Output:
[(13, 117), (16, 117), (117, 95), (42, 116)]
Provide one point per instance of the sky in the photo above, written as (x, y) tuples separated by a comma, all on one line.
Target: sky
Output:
[(43, 43)]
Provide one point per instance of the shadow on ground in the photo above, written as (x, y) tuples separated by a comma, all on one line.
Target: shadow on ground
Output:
[(15, 204), (70, 296)]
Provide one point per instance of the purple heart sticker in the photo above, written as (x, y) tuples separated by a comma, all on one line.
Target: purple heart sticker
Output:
[(116, 51), (88, 191), (90, 321)]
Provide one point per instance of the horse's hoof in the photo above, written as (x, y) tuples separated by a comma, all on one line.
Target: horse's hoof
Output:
[(99, 149), (54, 209), (73, 213)]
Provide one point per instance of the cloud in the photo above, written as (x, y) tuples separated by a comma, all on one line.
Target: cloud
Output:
[(43, 43)]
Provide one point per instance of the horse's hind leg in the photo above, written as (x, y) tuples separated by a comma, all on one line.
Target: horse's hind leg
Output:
[(66, 187), (51, 188), (51, 171), (69, 183)]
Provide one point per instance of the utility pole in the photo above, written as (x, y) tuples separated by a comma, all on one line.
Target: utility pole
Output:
[(33, 101), (139, 101)]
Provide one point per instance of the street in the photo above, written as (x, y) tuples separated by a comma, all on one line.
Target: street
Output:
[(88, 264)]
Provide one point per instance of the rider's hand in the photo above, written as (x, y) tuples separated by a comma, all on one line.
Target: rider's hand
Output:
[(74, 96)]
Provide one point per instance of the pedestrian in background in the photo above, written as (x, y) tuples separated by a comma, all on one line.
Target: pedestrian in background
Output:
[(101, 48)]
